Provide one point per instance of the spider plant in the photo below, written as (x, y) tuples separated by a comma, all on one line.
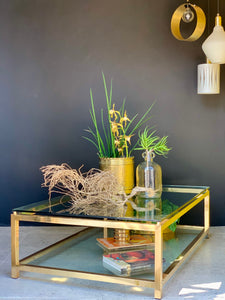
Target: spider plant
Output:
[(152, 143)]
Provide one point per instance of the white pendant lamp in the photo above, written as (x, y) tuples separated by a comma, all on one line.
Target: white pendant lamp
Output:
[(214, 49), (214, 45), (208, 78)]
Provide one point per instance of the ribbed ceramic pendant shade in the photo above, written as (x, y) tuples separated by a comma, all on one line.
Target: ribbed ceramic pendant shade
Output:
[(214, 45), (209, 79)]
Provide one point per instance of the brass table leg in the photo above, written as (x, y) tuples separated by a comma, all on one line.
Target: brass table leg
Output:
[(207, 211), (14, 246), (158, 262)]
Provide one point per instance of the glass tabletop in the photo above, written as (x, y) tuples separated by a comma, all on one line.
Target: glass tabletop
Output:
[(173, 199)]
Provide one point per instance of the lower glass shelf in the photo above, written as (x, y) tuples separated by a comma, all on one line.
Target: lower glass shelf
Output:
[(82, 253)]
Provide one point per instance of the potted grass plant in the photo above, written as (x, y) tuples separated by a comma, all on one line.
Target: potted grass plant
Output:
[(112, 136)]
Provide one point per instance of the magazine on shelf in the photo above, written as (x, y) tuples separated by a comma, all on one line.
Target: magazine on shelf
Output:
[(130, 262), (136, 241)]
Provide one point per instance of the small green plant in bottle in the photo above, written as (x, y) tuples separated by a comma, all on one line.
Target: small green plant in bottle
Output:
[(149, 173)]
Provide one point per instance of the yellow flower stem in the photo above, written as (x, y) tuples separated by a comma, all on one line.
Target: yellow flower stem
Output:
[(126, 149), (125, 142)]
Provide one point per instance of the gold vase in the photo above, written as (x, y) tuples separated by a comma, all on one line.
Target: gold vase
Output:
[(122, 168)]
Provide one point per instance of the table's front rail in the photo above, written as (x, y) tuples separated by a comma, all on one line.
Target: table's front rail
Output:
[(88, 276), (101, 223)]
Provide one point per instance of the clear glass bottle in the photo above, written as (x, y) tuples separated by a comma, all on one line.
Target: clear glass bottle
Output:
[(149, 175)]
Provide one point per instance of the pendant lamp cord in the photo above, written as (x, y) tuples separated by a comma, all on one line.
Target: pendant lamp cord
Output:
[(218, 6), (208, 18)]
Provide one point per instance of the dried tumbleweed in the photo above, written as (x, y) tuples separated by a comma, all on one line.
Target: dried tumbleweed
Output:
[(93, 193)]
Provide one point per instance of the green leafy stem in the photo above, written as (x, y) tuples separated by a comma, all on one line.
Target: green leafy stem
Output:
[(152, 143)]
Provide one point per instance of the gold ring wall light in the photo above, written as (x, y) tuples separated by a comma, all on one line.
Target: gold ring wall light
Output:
[(177, 18)]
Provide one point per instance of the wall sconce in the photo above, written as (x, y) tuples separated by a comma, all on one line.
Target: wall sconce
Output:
[(184, 12)]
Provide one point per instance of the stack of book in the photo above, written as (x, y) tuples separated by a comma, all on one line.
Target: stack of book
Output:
[(132, 257), (130, 262)]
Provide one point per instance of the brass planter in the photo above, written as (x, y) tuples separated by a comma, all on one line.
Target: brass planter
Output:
[(122, 168)]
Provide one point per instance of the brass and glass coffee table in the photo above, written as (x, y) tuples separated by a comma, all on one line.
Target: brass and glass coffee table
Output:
[(79, 256)]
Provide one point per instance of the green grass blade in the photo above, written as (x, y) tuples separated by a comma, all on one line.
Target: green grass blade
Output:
[(99, 140), (107, 136), (108, 101), (122, 108), (90, 140), (129, 124), (142, 120)]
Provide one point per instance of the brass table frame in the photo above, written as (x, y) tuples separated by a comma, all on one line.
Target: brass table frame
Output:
[(160, 278)]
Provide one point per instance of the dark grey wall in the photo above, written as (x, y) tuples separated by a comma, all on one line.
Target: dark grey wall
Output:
[(53, 51)]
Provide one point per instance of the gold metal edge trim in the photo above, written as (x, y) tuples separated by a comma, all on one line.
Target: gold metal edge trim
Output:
[(116, 160), (86, 222), (184, 209), (184, 189), (41, 205), (14, 246), (189, 228), (88, 276), (158, 263)]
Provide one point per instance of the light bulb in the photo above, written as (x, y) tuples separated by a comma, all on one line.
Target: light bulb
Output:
[(188, 15)]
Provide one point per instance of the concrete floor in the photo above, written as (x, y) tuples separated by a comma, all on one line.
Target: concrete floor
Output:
[(201, 277)]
